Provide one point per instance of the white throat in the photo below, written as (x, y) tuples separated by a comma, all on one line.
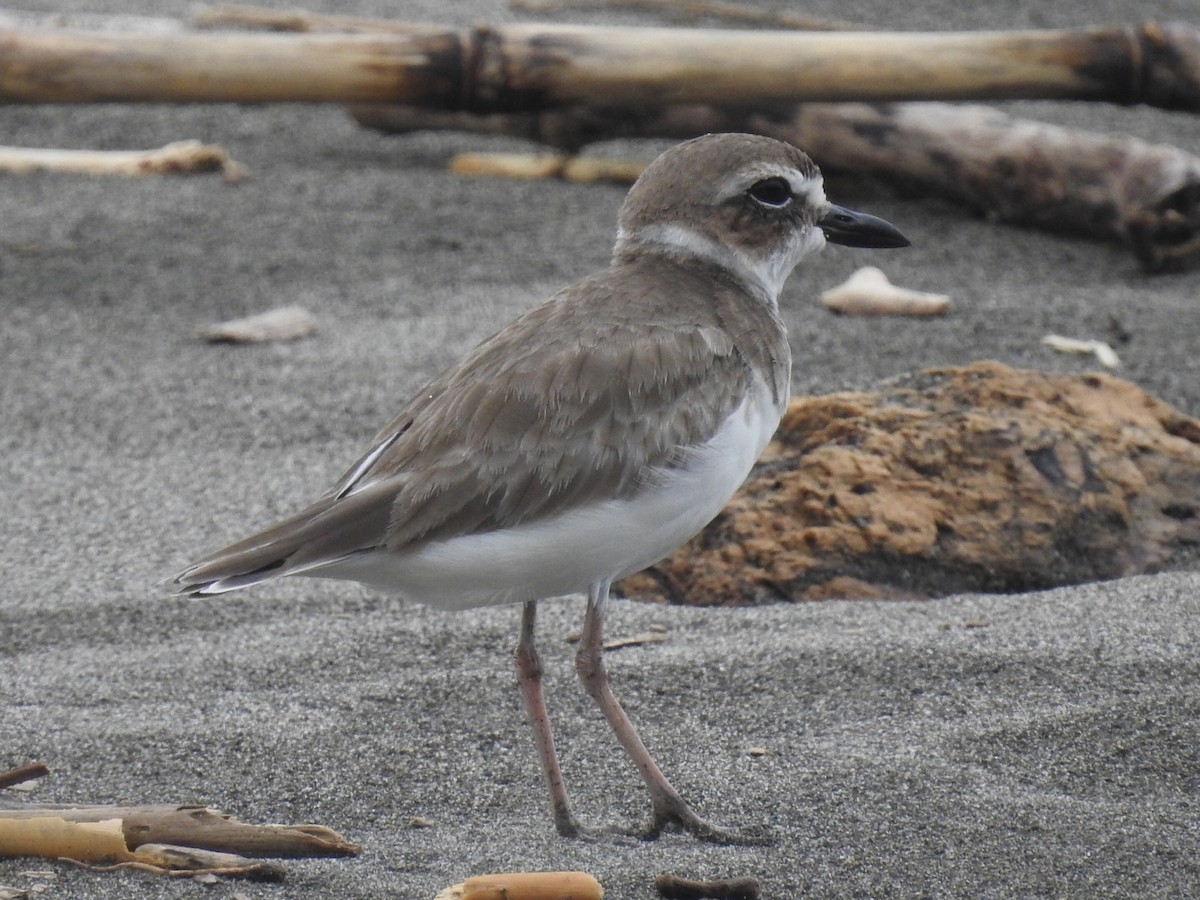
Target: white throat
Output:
[(761, 275)]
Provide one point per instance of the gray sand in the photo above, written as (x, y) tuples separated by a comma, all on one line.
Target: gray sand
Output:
[(1033, 745)]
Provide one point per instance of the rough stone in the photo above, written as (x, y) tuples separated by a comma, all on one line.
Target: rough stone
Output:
[(981, 478)]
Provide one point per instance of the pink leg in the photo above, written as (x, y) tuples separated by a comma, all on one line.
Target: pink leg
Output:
[(669, 807), (529, 681)]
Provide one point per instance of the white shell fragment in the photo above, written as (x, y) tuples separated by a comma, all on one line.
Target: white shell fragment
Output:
[(1105, 354), (869, 293), (286, 323)]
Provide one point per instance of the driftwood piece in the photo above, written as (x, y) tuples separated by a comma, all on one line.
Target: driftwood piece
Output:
[(533, 67), (102, 846), (178, 158), (951, 480), (191, 826), (1012, 170), (1023, 172)]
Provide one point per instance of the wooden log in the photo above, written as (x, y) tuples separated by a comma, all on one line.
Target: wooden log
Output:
[(194, 826), (530, 67), (1146, 196)]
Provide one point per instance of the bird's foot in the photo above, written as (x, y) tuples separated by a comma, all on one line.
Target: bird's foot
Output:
[(574, 829), (675, 818), (673, 813)]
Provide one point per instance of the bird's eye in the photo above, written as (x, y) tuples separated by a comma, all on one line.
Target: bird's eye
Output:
[(773, 192)]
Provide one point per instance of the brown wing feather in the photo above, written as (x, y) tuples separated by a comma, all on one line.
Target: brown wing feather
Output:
[(582, 414)]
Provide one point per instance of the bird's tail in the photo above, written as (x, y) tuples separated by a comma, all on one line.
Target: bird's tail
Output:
[(329, 531)]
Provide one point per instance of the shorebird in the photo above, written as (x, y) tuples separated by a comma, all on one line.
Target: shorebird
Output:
[(590, 437)]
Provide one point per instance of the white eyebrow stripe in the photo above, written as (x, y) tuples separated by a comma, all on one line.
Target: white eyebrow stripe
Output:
[(812, 189)]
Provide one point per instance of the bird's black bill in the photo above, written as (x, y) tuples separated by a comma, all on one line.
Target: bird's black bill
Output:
[(854, 229)]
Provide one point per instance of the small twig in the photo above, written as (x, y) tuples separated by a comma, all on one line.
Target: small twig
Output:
[(259, 871), (635, 640), (23, 773), (692, 9), (675, 888)]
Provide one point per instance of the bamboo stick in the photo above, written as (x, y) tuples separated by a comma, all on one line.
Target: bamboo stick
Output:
[(52, 66), (528, 67)]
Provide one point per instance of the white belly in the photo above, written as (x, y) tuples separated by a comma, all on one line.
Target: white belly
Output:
[(568, 552)]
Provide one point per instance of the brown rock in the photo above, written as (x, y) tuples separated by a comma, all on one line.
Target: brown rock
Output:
[(981, 478)]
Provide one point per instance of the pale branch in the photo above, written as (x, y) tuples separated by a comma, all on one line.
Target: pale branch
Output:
[(180, 157)]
